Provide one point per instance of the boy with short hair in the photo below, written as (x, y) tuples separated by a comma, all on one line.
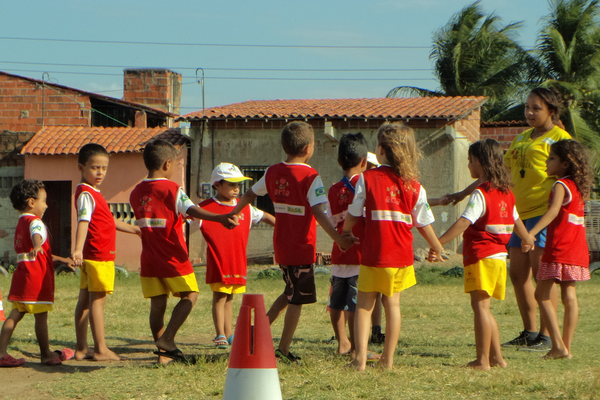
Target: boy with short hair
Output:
[(297, 193), (226, 262), (160, 206), (95, 243), (32, 287), (352, 157)]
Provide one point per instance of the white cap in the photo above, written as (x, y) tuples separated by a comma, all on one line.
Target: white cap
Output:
[(227, 172), (372, 159)]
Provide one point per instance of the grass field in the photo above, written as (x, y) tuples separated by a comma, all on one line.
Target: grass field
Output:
[(436, 341)]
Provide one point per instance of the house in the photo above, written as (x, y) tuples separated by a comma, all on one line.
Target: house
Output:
[(151, 100), (51, 156), (248, 133)]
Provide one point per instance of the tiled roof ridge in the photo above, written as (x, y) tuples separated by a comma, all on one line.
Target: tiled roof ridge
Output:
[(67, 140), (383, 107)]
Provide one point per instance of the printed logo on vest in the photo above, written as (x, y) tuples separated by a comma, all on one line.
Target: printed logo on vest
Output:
[(152, 223), (503, 207), (392, 195), (288, 209), (281, 188), (389, 215), (320, 191), (499, 229), (145, 204)]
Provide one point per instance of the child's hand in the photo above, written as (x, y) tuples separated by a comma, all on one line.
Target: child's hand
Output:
[(229, 221), (435, 254), (77, 258), (137, 231), (70, 263), (528, 243), (33, 253), (347, 240)]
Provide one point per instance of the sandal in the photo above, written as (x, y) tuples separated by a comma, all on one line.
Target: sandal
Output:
[(221, 342), (9, 361)]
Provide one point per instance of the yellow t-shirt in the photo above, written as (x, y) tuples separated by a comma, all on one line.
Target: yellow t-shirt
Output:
[(527, 161)]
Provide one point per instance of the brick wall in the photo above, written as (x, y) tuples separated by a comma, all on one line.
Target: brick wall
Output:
[(470, 126), (503, 134), (25, 105), (158, 88)]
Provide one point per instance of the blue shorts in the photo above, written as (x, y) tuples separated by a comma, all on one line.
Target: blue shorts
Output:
[(540, 238), (343, 293)]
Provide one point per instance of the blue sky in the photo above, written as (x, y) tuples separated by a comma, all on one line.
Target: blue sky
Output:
[(371, 23)]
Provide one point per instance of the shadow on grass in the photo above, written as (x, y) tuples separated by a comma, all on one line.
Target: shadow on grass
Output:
[(63, 368)]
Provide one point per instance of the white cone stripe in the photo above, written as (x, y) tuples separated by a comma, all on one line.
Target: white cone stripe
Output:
[(252, 384)]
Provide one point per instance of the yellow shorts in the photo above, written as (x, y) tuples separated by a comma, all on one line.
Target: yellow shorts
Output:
[(489, 275), (229, 289), (152, 287), (97, 276), (31, 308), (386, 281)]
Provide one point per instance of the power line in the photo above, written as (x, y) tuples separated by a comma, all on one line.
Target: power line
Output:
[(233, 69), (218, 44)]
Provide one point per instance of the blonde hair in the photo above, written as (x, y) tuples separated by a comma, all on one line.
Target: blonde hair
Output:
[(400, 147)]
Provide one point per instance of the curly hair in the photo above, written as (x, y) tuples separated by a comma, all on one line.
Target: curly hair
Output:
[(23, 191), (490, 155), (401, 150), (579, 170)]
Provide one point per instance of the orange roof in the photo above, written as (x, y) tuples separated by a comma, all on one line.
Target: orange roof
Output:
[(55, 140), (409, 107)]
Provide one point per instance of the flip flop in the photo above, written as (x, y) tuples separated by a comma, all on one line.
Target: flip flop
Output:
[(372, 357), (221, 342), (65, 354), (9, 361), (54, 362), (176, 355)]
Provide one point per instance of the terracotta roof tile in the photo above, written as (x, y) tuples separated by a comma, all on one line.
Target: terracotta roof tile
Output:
[(411, 107), (54, 140)]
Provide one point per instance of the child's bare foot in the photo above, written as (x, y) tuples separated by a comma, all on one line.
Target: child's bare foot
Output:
[(498, 363), (344, 349), (87, 354), (383, 364), (557, 355), (478, 365), (107, 355), (356, 365)]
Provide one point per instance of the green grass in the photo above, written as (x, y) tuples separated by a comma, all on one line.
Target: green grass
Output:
[(436, 340)]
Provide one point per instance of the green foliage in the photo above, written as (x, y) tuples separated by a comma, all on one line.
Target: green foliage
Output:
[(269, 273)]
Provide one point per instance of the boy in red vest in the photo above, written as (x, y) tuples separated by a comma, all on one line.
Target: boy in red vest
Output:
[(226, 249), (32, 287), (160, 207), (95, 242), (298, 195)]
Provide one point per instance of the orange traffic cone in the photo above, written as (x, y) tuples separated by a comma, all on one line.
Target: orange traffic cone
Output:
[(1, 309), (252, 373)]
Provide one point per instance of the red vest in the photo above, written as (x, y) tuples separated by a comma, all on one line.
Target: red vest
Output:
[(389, 202), (340, 197), (101, 239), (33, 280), (295, 236), (489, 235), (164, 250), (565, 237), (226, 248)]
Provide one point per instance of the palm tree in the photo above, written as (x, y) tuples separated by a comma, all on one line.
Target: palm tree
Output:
[(569, 49), (475, 56)]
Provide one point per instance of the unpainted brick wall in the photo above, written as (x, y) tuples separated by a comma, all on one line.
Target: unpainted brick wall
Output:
[(26, 105), (159, 88), (503, 134)]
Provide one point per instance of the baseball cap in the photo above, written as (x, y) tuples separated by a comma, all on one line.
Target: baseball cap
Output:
[(372, 159), (227, 172)]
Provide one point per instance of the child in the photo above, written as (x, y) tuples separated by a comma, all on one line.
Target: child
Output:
[(394, 201), (226, 249), (297, 193), (565, 260), (352, 157), (95, 242), (488, 223), (160, 206), (32, 287)]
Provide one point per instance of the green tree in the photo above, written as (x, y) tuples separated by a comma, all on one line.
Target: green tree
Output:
[(569, 50), (475, 55)]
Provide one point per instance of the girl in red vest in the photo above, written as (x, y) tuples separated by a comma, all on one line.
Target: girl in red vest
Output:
[(566, 258), (393, 201), (487, 224)]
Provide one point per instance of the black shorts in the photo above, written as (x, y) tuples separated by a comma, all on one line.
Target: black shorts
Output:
[(343, 293), (299, 283)]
